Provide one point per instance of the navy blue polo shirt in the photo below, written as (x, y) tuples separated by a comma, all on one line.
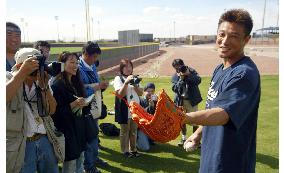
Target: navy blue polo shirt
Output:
[(232, 147)]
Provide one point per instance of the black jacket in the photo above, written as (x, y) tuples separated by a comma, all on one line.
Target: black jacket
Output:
[(121, 109), (72, 126), (145, 104), (193, 92)]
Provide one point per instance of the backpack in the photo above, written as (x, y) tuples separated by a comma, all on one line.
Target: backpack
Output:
[(104, 111), (109, 129)]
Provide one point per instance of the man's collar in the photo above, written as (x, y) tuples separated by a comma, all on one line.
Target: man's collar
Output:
[(86, 65)]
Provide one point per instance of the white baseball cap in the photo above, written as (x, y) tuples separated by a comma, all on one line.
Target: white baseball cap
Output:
[(23, 54)]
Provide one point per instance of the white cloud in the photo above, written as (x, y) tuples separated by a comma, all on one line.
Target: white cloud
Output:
[(158, 20), (151, 10)]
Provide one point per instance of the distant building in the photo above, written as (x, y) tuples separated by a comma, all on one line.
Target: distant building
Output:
[(146, 37), (128, 37), (267, 32), (269, 35), (200, 39), (173, 40)]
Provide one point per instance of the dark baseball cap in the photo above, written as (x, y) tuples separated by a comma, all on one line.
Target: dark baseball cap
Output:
[(149, 85)]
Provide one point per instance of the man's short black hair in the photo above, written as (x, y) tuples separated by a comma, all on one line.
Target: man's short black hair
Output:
[(41, 43), (238, 16), (177, 62), (91, 48), (12, 27)]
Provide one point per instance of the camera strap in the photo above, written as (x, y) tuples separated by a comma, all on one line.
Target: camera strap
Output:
[(121, 78), (26, 99)]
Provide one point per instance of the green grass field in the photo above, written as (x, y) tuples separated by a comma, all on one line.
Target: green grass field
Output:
[(170, 158)]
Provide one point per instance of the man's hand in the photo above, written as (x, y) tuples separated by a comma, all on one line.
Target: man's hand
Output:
[(187, 73), (192, 142), (28, 66), (104, 84), (151, 103), (101, 85)]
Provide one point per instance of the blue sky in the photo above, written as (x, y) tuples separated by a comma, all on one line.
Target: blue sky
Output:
[(110, 16)]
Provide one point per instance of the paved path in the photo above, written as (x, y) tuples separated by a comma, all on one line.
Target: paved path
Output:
[(203, 58)]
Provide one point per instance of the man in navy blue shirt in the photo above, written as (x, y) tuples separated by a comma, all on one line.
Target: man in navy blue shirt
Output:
[(229, 122)]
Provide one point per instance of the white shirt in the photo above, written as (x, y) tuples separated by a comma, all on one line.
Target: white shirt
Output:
[(35, 123), (131, 93)]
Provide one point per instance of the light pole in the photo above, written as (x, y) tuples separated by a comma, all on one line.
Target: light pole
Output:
[(73, 25), (278, 15), (263, 21), (23, 24), (26, 24), (56, 19), (92, 29), (87, 19), (174, 30), (99, 30)]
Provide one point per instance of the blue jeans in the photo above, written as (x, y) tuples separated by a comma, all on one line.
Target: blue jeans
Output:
[(91, 154), (73, 166), (39, 157), (142, 141)]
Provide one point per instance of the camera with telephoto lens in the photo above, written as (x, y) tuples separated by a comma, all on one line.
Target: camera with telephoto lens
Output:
[(53, 68), (135, 81), (182, 69)]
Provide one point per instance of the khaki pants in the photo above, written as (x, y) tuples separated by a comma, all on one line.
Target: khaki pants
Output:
[(188, 108), (128, 136)]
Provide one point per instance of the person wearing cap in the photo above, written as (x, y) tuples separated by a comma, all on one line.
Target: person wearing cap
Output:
[(187, 94), (28, 146), (13, 42), (148, 102), (89, 75)]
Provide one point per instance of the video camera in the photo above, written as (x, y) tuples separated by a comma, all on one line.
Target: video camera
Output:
[(53, 68), (136, 80), (183, 68)]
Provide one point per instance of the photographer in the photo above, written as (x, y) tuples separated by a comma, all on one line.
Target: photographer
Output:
[(148, 102), (185, 86), (29, 104), (43, 47), (127, 85)]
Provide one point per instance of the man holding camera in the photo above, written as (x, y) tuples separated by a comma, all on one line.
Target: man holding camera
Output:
[(29, 104), (43, 47), (185, 86)]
